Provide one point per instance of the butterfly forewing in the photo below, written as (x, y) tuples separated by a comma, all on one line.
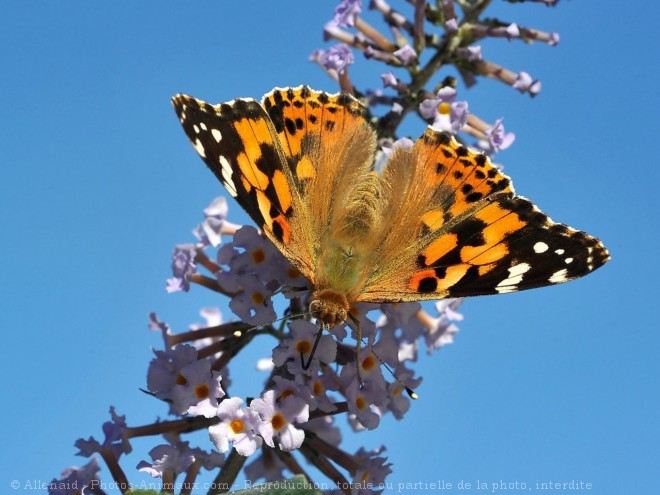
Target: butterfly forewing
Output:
[(239, 144), (328, 145)]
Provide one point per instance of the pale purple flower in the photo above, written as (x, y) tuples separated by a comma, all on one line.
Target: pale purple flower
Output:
[(210, 231), (167, 458), (303, 335), (512, 31), (183, 266), (74, 479), (337, 57), (372, 472), (319, 385), (284, 389), (324, 428), (197, 390), (213, 318), (447, 113), (268, 466), (403, 143), (374, 96), (441, 330), (155, 323), (253, 304), (163, 372), (389, 80), (470, 53), (346, 12), (406, 54), (525, 84), (114, 439), (390, 342), (497, 139), (209, 460), (451, 26), (554, 39), (250, 253), (363, 402), (237, 425), (399, 403), (279, 419), (402, 315)]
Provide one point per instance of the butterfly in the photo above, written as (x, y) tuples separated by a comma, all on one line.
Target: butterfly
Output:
[(439, 220)]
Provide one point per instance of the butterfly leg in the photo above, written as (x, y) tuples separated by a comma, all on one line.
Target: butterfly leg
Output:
[(306, 366), (358, 345)]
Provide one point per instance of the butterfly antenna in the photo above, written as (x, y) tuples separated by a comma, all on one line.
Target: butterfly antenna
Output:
[(411, 393), (238, 333)]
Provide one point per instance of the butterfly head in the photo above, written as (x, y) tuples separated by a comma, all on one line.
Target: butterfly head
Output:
[(329, 306)]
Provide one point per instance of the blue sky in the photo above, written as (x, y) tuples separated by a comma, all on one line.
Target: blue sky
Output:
[(99, 183)]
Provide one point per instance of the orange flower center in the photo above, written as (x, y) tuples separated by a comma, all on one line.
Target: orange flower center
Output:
[(278, 421), (444, 108), (237, 426), (303, 347), (257, 298), (202, 391), (368, 363), (258, 256)]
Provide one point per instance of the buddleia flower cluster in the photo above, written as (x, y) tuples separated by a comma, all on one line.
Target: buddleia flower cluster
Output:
[(313, 380)]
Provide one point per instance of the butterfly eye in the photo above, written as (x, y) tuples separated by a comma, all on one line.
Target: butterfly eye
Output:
[(315, 306)]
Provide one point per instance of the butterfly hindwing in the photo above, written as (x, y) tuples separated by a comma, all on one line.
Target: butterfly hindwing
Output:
[(517, 247), (473, 236)]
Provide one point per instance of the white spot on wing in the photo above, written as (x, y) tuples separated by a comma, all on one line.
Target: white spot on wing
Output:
[(519, 269), (217, 135), (540, 247), (202, 125), (226, 175), (568, 260), (516, 273), (560, 251), (558, 277), (196, 128), (506, 289), (199, 147)]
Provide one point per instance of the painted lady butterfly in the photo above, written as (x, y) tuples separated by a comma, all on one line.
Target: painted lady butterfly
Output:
[(439, 220)]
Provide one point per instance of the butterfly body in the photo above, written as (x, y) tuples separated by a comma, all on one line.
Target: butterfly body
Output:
[(438, 221)]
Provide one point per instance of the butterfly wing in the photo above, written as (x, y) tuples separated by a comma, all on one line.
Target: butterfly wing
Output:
[(290, 161), (470, 234), (238, 142), (328, 144)]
